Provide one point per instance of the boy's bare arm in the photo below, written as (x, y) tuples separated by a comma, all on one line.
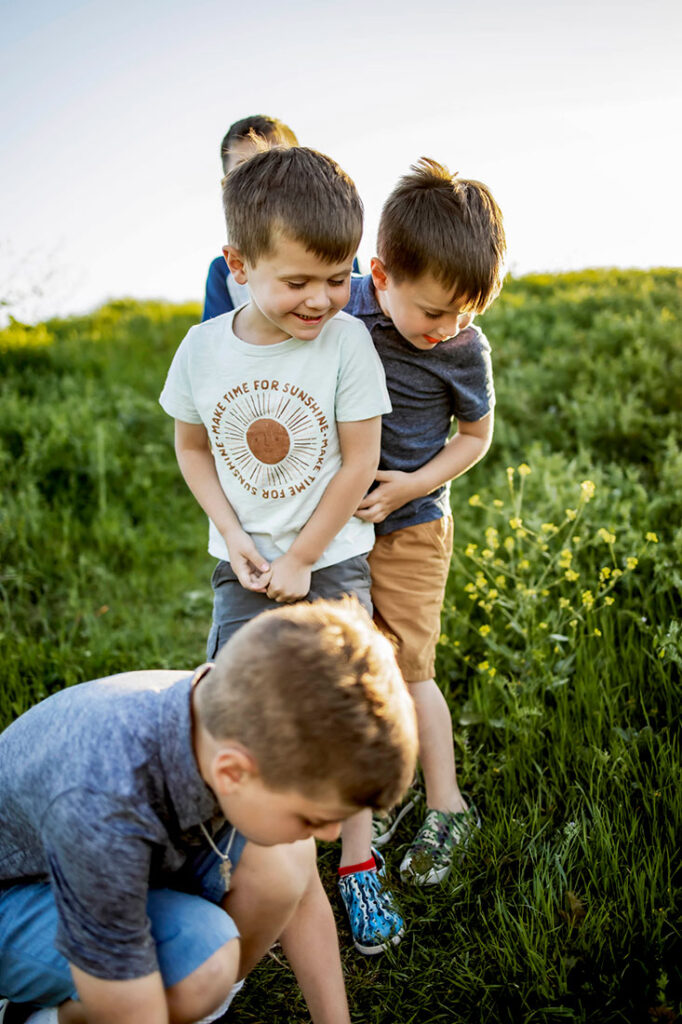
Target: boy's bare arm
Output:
[(116, 1002), (360, 443), (395, 489), (311, 946), (198, 468)]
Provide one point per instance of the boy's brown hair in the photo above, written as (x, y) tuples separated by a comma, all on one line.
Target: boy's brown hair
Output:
[(298, 192), (314, 693), (270, 129), (434, 222)]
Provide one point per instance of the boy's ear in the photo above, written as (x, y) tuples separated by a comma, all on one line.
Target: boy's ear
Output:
[(232, 765), (379, 275), (236, 263)]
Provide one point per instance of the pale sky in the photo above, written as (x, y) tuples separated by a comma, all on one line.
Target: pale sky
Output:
[(111, 115)]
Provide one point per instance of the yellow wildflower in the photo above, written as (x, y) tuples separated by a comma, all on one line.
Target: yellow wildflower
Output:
[(573, 623), (524, 469), (545, 592), (549, 528), (492, 672), (565, 558), (484, 630), (564, 602), (470, 588), (492, 537), (509, 543), (524, 564), (492, 594), (631, 563), (475, 499), (470, 550), (596, 632), (510, 473), (498, 562), (487, 553), (604, 573), (576, 539), (616, 574), (482, 666), (587, 490), (501, 581), (571, 575), (497, 503), (609, 600), (651, 536), (608, 538), (587, 598), (570, 514), (516, 523), (542, 625), (481, 581)]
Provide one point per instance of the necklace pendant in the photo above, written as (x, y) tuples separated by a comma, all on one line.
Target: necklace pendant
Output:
[(226, 873)]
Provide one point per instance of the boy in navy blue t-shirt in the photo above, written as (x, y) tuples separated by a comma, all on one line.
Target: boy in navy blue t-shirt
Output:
[(440, 258)]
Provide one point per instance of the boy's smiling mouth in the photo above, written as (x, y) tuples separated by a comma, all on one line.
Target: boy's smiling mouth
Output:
[(309, 319)]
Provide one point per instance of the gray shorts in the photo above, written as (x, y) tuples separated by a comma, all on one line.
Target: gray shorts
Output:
[(233, 605)]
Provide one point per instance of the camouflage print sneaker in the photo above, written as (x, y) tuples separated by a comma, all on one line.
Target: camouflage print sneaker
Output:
[(429, 858), (384, 823)]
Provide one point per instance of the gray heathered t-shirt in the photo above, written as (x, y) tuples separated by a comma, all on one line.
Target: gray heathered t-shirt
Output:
[(427, 390), (101, 795)]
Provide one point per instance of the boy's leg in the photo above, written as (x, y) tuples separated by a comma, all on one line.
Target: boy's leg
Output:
[(196, 944), (409, 574), (233, 606)]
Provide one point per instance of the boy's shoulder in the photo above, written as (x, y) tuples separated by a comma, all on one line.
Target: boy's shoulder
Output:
[(363, 301)]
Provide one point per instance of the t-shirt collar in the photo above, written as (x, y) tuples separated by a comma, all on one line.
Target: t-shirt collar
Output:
[(192, 799), (367, 305)]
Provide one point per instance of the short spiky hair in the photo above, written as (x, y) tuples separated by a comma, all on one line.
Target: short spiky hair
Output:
[(298, 192), (314, 693), (271, 129), (434, 222)]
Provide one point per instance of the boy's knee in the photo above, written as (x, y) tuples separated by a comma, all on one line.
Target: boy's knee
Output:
[(206, 988)]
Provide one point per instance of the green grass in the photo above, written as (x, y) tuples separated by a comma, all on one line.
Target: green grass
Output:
[(560, 655)]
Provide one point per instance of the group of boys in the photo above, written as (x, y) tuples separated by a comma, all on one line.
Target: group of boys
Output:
[(153, 850)]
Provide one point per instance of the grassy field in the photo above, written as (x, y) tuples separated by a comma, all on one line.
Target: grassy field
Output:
[(560, 655)]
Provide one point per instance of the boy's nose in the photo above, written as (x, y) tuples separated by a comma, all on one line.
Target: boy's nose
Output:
[(317, 298), (329, 833)]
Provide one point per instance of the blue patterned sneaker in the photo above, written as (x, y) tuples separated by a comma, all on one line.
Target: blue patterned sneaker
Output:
[(429, 858), (384, 823), (375, 923)]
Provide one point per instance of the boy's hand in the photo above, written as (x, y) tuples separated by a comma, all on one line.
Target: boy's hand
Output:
[(395, 490), (289, 579), (248, 565)]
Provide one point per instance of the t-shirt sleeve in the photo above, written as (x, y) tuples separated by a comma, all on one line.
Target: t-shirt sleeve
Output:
[(177, 398), (472, 380), (361, 391), (99, 857)]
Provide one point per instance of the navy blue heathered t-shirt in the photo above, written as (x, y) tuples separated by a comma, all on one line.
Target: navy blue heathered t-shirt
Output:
[(428, 389)]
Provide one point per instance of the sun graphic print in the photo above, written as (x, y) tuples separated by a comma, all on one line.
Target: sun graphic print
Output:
[(271, 434)]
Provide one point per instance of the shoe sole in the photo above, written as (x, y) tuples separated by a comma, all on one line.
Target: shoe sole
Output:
[(387, 836), (433, 877), (382, 947)]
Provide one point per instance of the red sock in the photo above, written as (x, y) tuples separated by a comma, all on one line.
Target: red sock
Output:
[(368, 865)]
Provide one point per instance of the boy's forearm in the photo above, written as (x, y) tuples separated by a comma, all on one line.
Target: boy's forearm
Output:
[(199, 472), (311, 945), (460, 453), (336, 507)]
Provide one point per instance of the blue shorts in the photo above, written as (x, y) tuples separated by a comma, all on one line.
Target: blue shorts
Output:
[(233, 605), (187, 930)]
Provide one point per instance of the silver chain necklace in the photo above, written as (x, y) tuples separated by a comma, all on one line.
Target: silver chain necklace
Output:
[(225, 862)]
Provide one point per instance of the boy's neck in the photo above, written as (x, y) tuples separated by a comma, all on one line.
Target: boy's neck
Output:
[(251, 327)]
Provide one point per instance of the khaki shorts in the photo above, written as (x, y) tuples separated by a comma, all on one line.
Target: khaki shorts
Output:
[(409, 572)]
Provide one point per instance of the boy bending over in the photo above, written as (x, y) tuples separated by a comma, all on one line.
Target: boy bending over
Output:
[(440, 259), (142, 817), (277, 409)]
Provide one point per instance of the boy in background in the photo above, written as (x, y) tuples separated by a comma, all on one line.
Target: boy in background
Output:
[(222, 291), (141, 817), (441, 249), (277, 410)]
